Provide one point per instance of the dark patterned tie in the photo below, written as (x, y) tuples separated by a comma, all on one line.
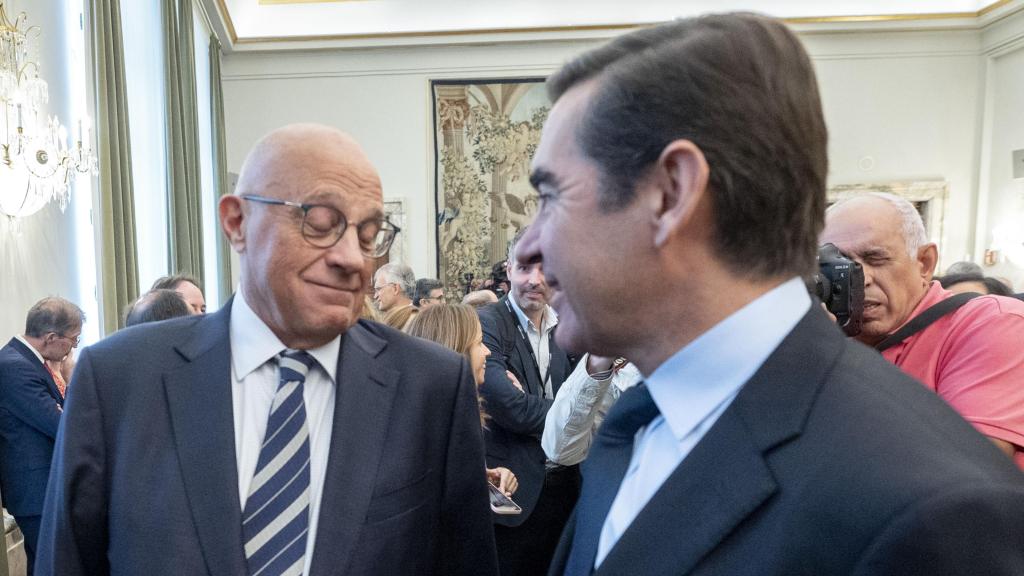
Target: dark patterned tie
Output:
[(275, 521), (603, 471)]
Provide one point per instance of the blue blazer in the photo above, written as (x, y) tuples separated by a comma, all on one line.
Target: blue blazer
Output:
[(829, 461), (29, 416), (145, 478), (516, 419)]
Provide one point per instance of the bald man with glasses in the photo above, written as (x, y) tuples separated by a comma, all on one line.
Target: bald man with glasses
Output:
[(281, 434)]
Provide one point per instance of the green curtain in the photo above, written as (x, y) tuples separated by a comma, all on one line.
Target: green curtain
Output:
[(119, 281), (220, 165), (184, 190)]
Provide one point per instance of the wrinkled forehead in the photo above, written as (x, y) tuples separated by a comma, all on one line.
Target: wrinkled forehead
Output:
[(863, 221)]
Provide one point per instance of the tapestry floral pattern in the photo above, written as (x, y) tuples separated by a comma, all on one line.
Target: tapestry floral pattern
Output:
[(485, 136)]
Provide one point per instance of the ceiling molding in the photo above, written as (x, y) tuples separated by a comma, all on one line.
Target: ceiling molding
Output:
[(980, 18)]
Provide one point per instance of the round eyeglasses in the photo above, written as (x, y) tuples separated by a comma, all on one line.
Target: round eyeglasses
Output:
[(323, 226)]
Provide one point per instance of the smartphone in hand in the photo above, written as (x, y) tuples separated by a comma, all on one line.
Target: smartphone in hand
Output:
[(501, 504)]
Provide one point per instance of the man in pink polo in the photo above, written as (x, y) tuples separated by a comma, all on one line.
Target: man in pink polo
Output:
[(971, 356)]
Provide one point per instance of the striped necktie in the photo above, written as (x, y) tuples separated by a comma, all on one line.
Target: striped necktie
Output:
[(275, 521)]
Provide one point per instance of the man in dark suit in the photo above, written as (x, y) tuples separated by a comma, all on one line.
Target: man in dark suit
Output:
[(279, 435), (30, 409), (518, 330), (687, 163)]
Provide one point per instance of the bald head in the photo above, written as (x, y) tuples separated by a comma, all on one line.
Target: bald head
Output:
[(298, 148)]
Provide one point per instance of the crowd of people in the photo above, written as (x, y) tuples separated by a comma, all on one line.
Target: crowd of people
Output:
[(332, 419)]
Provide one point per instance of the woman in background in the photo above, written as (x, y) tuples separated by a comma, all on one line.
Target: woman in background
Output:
[(457, 327)]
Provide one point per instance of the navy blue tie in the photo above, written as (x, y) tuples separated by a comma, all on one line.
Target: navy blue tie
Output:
[(275, 522), (603, 471)]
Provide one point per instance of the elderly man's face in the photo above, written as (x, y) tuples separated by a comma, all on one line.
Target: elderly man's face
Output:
[(869, 230), (307, 294), (385, 294)]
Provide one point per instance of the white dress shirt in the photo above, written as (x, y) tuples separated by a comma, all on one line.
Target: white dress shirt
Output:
[(578, 410), (692, 389), (254, 380), (540, 340)]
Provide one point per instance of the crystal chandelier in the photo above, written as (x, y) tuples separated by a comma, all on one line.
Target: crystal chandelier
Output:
[(36, 165)]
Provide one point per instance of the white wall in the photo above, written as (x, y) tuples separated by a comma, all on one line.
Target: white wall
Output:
[(909, 100), (37, 253), (1002, 197)]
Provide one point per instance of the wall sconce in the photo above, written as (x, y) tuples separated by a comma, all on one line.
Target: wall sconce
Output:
[(36, 164)]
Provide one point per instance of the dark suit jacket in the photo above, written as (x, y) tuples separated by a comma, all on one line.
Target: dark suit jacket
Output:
[(145, 478), (829, 461), (516, 419), (29, 417)]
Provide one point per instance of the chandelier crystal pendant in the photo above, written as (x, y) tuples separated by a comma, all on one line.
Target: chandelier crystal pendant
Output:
[(36, 164)]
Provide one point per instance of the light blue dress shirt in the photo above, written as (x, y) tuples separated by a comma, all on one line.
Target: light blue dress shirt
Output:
[(692, 389)]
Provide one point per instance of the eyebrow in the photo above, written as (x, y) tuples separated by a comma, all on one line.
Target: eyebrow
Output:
[(542, 176)]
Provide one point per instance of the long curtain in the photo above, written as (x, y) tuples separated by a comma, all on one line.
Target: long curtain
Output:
[(184, 189), (220, 164), (119, 279)]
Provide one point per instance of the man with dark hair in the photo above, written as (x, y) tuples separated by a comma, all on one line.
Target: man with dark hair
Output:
[(31, 400), (519, 332), (155, 305), (761, 440), (429, 291), (187, 286), (281, 434)]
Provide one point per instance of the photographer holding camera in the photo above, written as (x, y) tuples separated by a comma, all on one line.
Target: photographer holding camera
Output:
[(963, 347)]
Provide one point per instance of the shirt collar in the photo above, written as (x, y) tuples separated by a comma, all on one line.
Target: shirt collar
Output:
[(30, 347), (711, 370), (253, 343), (549, 321)]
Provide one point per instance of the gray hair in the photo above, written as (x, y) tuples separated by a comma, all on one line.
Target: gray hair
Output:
[(394, 273), (53, 314), (912, 226)]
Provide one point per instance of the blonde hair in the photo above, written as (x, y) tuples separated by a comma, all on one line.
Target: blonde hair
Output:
[(454, 326), (399, 318)]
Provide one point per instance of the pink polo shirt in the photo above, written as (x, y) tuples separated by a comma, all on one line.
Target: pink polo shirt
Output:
[(973, 358)]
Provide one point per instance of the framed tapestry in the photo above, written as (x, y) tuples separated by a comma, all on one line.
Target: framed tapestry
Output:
[(485, 134)]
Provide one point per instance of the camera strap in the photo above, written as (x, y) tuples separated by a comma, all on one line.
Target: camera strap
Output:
[(925, 319)]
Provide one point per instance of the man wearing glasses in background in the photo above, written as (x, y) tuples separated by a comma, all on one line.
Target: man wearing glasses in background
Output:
[(371, 460), (31, 399)]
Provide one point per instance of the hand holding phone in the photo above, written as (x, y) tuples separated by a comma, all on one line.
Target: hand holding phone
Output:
[(501, 504)]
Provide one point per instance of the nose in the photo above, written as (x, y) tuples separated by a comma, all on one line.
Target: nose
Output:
[(487, 351), (346, 253), (528, 249)]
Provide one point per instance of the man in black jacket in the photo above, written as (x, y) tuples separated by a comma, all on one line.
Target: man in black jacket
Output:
[(518, 330)]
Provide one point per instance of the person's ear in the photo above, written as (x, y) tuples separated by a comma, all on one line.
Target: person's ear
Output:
[(680, 180), (232, 220), (927, 259)]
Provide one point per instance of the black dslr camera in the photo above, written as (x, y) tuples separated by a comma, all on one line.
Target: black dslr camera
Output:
[(839, 283)]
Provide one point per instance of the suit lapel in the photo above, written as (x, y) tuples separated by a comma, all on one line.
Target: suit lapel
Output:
[(524, 361), (40, 369), (726, 476), (711, 492), (362, 411), (200, 404)]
